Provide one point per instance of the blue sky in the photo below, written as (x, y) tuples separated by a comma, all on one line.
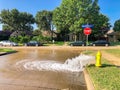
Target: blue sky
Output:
[(108, 7)]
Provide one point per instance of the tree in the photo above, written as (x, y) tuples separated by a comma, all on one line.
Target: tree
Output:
[(44, 20), (60, 19), (117, 25), (14, 20), (101, 25), (37, 32), (72, 14), (7, 28)]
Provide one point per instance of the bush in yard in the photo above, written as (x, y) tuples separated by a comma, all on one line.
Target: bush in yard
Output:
[(14, 39), (41, 38), (20, 39)]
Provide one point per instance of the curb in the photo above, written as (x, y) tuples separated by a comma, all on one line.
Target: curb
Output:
[(88, 81), (5, 53), (2, 53)]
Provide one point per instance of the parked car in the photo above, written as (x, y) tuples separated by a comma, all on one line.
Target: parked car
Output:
[(7, 43), (33, 43), (100, 43), (77, 43)]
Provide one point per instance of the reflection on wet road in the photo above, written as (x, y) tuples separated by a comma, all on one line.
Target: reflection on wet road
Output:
[(14, 78)]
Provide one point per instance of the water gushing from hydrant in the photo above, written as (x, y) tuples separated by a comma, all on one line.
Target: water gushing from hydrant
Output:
[(73, 65)]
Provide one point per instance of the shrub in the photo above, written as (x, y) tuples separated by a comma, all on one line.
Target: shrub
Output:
[(20, 39), (41, 38)]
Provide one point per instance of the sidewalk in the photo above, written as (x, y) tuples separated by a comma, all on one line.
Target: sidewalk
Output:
[(113, 59)]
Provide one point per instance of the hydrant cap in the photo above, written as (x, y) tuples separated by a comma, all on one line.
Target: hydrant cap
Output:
[(98, 53)]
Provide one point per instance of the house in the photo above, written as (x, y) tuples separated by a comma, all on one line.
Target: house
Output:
[(113, 36), (74, 37), (5, 34), (49, 33)]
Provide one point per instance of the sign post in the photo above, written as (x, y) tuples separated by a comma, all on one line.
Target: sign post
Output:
[(87, 31)]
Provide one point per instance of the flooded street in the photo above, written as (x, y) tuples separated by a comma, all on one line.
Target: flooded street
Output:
[(14, 76)]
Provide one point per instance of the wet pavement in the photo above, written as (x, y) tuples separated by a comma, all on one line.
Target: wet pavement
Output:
[(18, 78)]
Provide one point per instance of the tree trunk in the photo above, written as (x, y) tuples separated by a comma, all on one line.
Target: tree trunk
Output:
[(75, 38)]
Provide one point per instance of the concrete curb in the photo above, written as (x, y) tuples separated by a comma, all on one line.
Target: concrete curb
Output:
[(5, 53), (2, 53), (88, 81)]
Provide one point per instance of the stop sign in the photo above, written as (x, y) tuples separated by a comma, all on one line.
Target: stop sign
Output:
[(87, 31)]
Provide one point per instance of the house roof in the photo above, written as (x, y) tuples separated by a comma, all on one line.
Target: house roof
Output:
[(110, 32)]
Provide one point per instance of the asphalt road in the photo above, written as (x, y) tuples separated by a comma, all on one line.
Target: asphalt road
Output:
[(13, 77)]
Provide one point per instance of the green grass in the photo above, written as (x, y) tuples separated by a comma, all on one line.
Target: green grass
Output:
[(106, 77), (56, 43), (59, 43), (7, 50), (115, 52), (90, 52), (114, 43)]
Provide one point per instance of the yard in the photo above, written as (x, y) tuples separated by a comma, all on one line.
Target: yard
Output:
[(106, 77)]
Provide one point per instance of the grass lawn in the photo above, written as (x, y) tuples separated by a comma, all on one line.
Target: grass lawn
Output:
[(59, 43), (6, 50), (115, 52), (56, 43), (115, 43), (106, 77)]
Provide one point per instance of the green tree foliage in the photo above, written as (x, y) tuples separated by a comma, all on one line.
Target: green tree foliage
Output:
[(72, 14), (14, 20), (44, 20), (20, 39), (41, 38), (7, 28), (37, 32), (117, 25), (101, 25)]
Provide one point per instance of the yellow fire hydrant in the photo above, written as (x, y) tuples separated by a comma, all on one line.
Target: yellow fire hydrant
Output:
[(98, 59)]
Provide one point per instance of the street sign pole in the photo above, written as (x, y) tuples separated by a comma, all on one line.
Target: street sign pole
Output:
[(87, 31), (86, 40)]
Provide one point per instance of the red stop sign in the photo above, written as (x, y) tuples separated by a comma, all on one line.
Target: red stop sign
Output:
[(87, 31)]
